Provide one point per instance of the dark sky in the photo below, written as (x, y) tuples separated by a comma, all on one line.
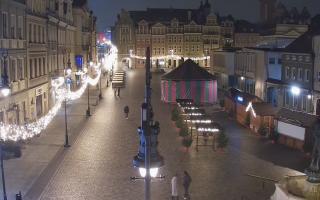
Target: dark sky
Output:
[(107, 10)]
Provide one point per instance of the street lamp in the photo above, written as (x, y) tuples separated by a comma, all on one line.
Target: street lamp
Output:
[(88, 113), (148, 159), (295, 90), (67, 77), (5, 91)]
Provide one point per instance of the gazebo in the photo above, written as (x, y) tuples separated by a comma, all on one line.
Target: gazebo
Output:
[(189, 81)]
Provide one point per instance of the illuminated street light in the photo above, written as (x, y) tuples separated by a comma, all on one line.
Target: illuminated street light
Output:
[(309, 96), (242, 78), (295, 90)]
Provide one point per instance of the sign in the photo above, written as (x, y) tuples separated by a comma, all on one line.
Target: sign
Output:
[(39, 91), (79, 61)]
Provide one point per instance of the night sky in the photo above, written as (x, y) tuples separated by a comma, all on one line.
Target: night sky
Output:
[(107, 10)]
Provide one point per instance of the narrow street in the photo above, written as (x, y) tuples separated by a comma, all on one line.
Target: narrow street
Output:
[(99, 163)]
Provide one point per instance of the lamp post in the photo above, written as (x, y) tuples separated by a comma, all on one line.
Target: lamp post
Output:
[(5, 91), (68, 72), (88, 113), (148, 159), (100, 85)]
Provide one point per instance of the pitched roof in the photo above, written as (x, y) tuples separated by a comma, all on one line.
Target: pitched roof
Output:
[(302, 44), (297, 117), (264, 109), (164, 15), (188, 70), (79, 3)]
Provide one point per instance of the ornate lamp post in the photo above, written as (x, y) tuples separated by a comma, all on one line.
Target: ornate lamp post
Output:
[(148, 159), (5, 91)]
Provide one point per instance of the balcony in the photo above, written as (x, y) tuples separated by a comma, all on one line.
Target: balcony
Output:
[(38, 81)]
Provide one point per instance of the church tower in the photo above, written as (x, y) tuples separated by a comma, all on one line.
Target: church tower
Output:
[(267, 8)]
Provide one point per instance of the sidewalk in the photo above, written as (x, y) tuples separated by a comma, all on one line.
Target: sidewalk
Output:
[(41, 154)]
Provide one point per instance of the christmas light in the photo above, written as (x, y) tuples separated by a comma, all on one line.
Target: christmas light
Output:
[(169, 56), (13, 132), (250, 107)]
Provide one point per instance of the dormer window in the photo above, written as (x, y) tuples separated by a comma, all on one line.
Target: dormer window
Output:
[(65, 8)]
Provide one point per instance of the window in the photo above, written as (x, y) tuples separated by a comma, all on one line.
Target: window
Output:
[(30, 32), (19, 69), (272, 61), (13, 26), (20, 27), (300, 74), (5, 25), (65, 8), (287, 72), (286, 97), (293, 73), (279, 61), (304, 103), (44, 65), (40, 67), (307, 75), (31, 68), (13, 70), (294, 101)]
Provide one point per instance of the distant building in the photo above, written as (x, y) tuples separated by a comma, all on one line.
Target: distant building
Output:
[(171, 34)]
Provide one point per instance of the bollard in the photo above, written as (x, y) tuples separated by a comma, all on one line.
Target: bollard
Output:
[(19, 196)]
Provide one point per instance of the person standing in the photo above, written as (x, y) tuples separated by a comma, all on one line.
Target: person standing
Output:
[(186, 184), (174, 187), (118, 91), (126, 111)]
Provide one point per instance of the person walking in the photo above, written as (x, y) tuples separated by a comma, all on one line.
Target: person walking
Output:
[(118, 91), (174, 187), (126, 111), (186, 184)]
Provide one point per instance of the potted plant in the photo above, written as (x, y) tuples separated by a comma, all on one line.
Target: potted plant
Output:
[(175, 114), (223, 140), (184, 130), (187, 142), (263, 131), (179, 122)]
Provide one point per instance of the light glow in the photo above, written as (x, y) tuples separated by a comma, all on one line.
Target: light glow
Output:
[(249, 107), (295, 90)]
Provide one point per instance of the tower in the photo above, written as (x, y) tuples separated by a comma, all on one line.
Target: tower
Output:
[(267, 8)]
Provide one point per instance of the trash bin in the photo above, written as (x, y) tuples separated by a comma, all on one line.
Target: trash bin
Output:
[(19, 196)]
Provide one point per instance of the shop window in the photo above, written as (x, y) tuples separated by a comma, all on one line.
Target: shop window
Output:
[(272, 61)]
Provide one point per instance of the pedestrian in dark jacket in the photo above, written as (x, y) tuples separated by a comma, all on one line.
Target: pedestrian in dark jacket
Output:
[(126, 111), (186, 184), (118, 92)]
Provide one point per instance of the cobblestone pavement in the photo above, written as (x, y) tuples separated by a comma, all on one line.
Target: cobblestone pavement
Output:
[(37, 153), (99, 163)]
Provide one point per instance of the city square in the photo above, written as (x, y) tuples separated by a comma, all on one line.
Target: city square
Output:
[(159, 100)]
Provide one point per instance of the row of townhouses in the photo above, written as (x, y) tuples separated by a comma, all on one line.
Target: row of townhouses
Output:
[(174, 33), (171, 33), (38, 39)]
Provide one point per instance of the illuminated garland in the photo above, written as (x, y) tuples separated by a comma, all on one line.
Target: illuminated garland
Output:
[(250, 107), (177, 57), (14, 132)]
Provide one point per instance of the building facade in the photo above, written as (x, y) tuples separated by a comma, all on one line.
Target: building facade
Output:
[(38, 41), (171, 34), (14, 72)]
